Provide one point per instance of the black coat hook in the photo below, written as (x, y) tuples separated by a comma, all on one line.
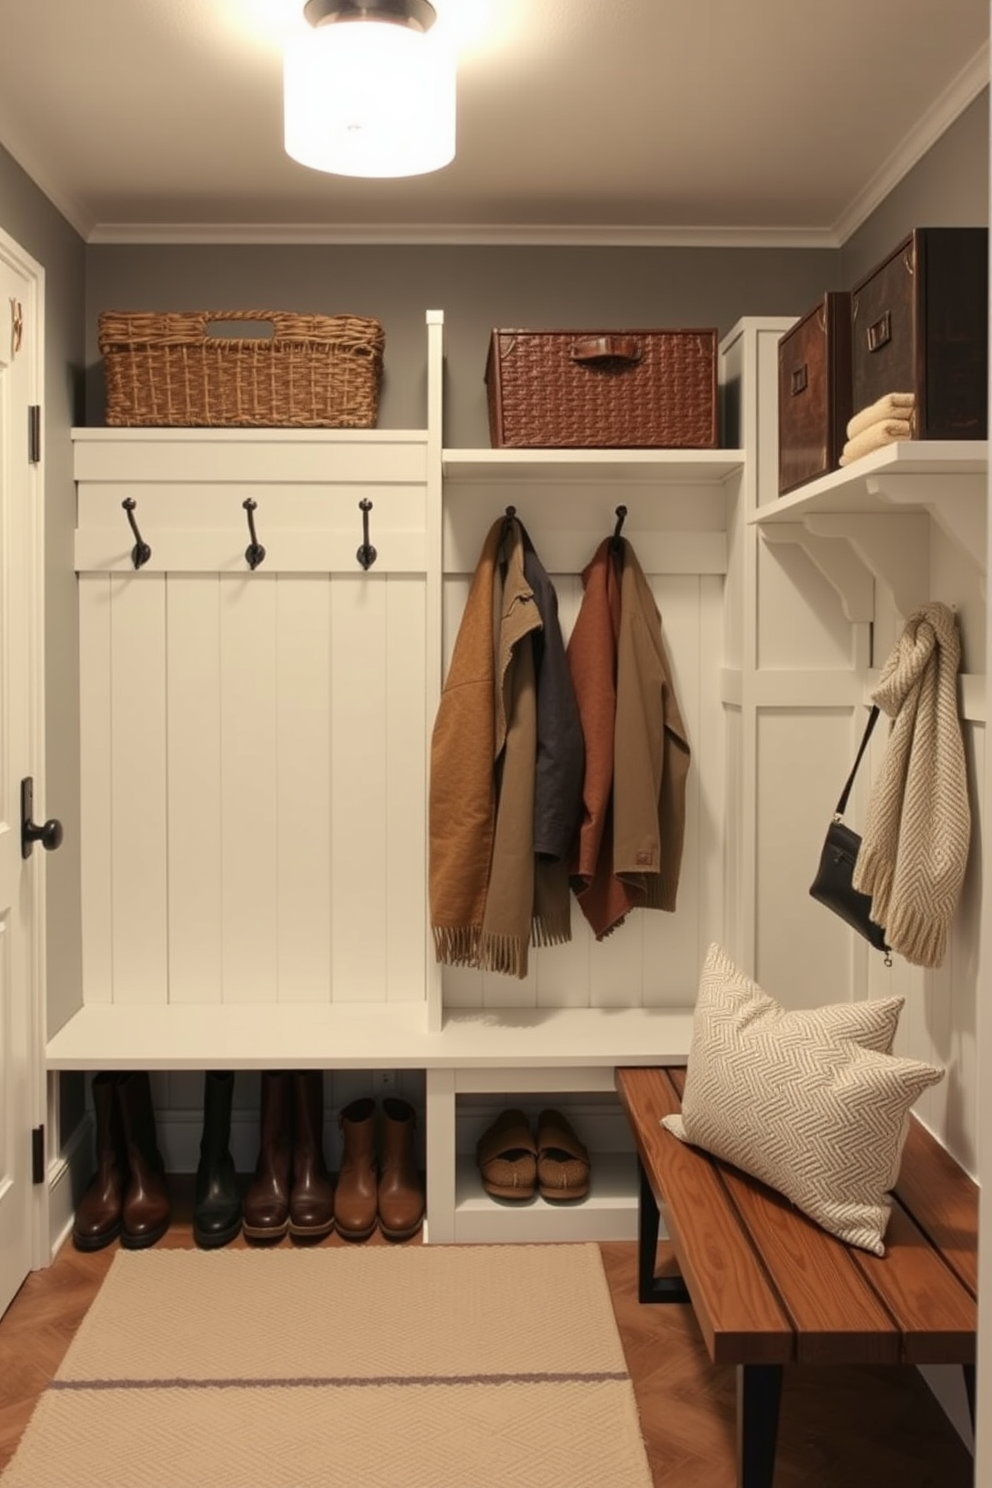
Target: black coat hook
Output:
[(366, 554), (615, 546), (141, 552), (254, 552)]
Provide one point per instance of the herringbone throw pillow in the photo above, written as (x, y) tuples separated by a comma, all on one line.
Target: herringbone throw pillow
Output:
[(811, 1101)]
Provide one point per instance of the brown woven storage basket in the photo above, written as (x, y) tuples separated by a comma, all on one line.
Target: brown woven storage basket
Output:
[(602, 389), (314, 372)]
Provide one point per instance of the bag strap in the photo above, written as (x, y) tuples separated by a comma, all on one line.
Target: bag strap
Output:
[(842, 803)]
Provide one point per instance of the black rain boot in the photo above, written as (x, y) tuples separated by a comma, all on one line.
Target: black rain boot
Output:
[(217, 1203)]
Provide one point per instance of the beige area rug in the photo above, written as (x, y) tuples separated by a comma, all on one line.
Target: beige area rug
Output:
[(484, 1366)]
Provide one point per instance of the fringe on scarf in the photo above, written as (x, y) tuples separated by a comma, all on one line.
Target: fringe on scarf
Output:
[(503, 953), (457, 945), (546, 930)]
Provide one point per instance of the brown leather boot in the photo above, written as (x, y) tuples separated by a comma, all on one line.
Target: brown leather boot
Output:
[(266, 1215), (355, 1199), (98, 1217), (311, 1200), (401, 1193), (145, 1211)]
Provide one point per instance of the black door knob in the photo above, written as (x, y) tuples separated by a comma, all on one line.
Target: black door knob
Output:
[(49, 834)]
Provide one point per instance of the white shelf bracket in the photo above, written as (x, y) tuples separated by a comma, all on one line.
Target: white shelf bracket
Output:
[(957, 505), (838, 563), (895, 549)]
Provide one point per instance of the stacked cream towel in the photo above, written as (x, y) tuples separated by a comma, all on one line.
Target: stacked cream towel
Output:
[(915, 845), (882, 423)]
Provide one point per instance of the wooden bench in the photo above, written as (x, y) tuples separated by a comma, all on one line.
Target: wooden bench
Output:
[(769, 1288)]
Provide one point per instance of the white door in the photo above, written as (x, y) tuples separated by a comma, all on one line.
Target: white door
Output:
[(21, 880)]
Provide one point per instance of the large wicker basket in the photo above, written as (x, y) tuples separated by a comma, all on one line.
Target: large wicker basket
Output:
[(603, 389), (312, 372)]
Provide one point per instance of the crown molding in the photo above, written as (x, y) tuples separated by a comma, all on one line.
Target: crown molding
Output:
[(461, 234)]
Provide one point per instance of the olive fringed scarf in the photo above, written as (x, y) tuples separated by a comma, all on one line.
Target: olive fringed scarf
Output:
[(490, 895)]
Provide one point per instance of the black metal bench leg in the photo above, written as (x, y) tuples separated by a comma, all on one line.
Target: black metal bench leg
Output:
[(969, 1385), (651, 1288), (759, 1393)]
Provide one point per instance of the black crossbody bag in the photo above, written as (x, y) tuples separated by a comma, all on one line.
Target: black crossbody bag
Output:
[(832, 885)]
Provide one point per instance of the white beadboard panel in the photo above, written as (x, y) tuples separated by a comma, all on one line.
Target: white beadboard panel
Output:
[(403, 878), (499, 991), (709, 754), (617, 965), (671, 940), (303, 788), (734, 864), (564, 972), (800, 622), (96, 787), (359, 835), (939, 1021), (461, 987), (138, 819), (194, 796), (802, 950), (249, 773)]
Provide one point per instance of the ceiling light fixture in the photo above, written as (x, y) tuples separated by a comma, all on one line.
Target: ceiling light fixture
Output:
[(369, 88)]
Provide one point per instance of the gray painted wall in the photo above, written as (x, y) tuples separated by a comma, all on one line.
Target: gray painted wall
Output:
[(949, 187), (476, 287)]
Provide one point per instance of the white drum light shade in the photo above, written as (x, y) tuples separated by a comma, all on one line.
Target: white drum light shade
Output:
[(368, 96)]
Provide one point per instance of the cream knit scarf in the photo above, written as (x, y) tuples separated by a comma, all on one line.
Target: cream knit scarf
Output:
[(915, 845)]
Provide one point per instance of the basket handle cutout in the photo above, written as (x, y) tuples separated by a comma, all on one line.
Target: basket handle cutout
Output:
[(606, 349), (222, 327)]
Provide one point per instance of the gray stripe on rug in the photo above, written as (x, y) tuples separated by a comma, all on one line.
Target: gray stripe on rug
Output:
[(341, 1382)]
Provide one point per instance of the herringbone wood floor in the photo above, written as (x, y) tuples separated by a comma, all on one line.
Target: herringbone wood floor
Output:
[(839, 1429)]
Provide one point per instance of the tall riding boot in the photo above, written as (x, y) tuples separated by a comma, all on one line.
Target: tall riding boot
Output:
[(98, 1217), (401, 1193), (145, 1213), (217, 1202), (311, 1202), (267, 1199), (354, 1202)]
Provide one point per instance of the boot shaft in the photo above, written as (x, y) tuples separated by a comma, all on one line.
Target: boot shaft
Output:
[(134, 1099), (218, 1089), (109, 1133), (308, 1113)]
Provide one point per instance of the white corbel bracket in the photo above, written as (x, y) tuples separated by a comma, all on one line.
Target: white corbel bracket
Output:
[(957, 505), (894, 548), (837, 562)]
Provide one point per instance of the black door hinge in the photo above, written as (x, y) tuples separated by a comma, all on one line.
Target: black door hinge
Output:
[(34, 433), (38, 1155)]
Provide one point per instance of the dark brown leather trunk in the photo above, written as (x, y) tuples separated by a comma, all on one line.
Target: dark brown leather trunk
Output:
[(920, 325), (814, 391)]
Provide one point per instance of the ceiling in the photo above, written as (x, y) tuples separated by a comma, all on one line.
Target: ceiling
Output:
[(596, 121)]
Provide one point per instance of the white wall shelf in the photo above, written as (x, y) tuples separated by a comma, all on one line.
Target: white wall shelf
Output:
[(517, 466), (881, 507)]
